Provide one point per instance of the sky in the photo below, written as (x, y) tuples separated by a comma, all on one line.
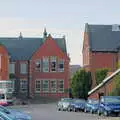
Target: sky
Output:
[(60, 17)]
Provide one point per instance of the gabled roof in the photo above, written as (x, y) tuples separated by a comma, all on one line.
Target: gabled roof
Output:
[(103, 38), (23, 49), (104, 81)]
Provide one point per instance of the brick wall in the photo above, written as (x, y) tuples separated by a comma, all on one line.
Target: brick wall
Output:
[(106, 89), (4, 63)]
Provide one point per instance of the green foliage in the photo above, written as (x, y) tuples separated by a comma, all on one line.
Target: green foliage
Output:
[(118, 64), (11, 75), (116, 90), (100, 75), (81, 84)]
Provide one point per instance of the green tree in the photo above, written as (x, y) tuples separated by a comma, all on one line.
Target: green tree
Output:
[(81, 84), (116, 90), (100, 75)]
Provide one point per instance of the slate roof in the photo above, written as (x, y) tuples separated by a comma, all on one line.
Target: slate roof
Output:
[(102, 38), (23, 49)]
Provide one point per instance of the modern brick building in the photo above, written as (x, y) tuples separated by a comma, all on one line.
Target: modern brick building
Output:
[(38, 66), (101, 49)]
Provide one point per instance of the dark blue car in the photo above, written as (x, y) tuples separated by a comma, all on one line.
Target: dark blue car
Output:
[(91, 105), (109, 105), (78, 105)]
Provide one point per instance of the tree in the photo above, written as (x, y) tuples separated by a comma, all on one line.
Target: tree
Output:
[(81, 84), (116, 90), (100, 75)]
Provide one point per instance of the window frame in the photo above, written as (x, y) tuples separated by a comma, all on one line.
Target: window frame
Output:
[(59, 91), (59, 62), (21, 84), (53, 59), (13, 63), (23, 63), (40, 63), (45, 65), (43, 89), (51, 89), (36, 84)]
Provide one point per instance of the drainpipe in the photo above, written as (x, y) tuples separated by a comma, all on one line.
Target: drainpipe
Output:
[(28, 85)]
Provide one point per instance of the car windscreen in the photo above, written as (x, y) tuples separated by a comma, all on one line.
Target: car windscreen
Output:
[(79, 101)]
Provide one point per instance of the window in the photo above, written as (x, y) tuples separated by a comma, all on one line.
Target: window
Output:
[(23, 85), (38, 65), (45, 85), (38, 86), (61, 65), (6, 84), (12, 68), (45, 64), (23, 68), (53, 86), (53, 63), (61, 86)]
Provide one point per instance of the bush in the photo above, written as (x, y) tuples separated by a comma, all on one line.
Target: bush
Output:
[(100, 75)]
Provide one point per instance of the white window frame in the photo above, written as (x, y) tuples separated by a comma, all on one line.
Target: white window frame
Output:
[(53, 90), (53, 59), (60, 89), (38, 62), (13, 71), (61, 61), (37, 91), (45, 66), (21, 71), (44, 89), (21, 85)]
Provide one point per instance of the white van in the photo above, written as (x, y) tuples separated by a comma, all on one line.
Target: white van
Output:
[(6, 92)]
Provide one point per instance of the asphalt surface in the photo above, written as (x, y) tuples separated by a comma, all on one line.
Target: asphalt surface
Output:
[(49, 112)]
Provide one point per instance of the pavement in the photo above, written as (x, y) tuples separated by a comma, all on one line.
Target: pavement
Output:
[(49, 112)]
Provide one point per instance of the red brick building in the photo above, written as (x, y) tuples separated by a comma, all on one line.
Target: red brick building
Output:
[(38, 66), (101, 49)]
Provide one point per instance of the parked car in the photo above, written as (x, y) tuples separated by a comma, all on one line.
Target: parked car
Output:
[(3, 116), (91, 105), (109, 105), (77, 105), (63, 104), (14, 114)]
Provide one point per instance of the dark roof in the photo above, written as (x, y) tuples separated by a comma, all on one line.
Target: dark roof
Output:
[(23, 49), (103, 38)]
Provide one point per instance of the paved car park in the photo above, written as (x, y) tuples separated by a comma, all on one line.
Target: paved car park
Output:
[(49, 112)]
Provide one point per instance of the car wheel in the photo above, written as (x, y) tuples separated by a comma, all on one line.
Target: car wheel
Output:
[(59, 109), (105, 113)]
